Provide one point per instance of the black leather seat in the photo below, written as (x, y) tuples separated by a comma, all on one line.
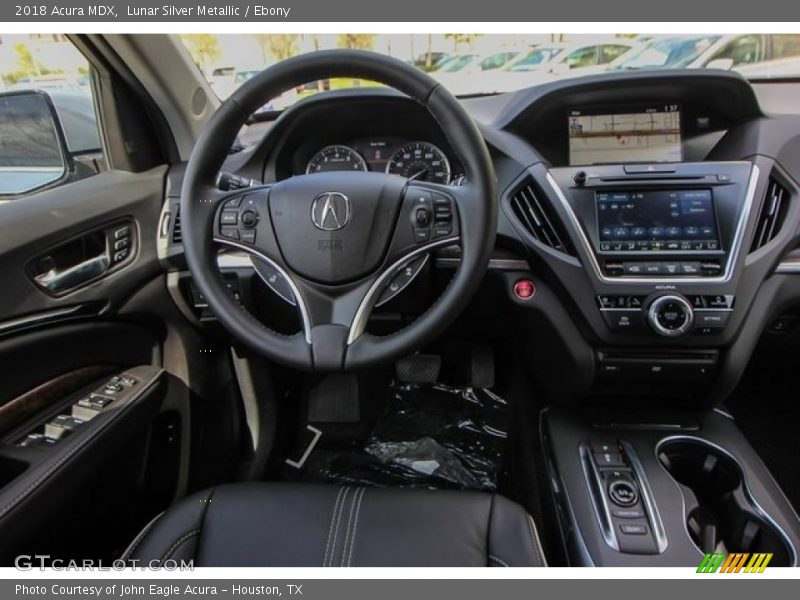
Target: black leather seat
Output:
[(276, 524)]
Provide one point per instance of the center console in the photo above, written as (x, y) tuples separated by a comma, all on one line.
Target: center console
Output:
[(663, 248), (635, 488)]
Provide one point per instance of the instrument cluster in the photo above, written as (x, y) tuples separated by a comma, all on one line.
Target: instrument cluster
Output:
[(414, 159)]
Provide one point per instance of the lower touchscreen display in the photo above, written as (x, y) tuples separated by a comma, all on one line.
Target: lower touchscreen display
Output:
[(657, 220)]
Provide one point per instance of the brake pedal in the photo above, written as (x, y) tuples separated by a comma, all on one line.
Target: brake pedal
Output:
[(482, 367), (419, 368)]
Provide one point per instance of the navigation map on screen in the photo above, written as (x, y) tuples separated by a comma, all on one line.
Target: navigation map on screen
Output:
[(646, 134)]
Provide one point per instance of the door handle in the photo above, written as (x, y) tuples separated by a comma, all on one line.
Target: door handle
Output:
[(59, 280)]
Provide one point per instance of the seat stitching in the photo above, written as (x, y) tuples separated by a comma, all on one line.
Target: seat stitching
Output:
[(206, 506), (330, 530), (138, 539), (536, 543), (336, 529), (349, 521), (498, 560), (177, 544), (489, 525), (355, 528)]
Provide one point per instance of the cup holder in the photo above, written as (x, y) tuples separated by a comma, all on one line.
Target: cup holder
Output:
[(721, 516)]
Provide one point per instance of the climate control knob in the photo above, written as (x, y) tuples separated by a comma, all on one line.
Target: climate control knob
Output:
[(670, 315)]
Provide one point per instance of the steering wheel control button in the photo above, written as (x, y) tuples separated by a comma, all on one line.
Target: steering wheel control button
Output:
[(423, 217), (229, 217), (670, 316), (234, 202), (623, 492), (276, 282), (402, 279), (230, 232), (249, 236), (422, 235), (524, 289), (249, 218), (443, 215)]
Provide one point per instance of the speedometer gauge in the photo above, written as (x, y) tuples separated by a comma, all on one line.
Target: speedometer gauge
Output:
[(336, 158), (421, 161)]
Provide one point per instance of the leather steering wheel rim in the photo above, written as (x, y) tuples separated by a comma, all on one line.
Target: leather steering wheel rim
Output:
[(325, 348)]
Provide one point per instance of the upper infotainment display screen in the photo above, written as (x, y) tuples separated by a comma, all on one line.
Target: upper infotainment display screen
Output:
[(625, 135)]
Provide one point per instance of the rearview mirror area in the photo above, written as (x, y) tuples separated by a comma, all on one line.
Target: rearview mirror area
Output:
[(32, 148)]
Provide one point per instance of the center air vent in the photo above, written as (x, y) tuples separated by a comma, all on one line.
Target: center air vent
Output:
[(534, 212), (177, 236), (772, 214)]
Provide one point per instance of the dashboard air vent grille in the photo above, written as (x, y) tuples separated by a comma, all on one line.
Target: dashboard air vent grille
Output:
[(177, 235), (538, 217), (772, 215)]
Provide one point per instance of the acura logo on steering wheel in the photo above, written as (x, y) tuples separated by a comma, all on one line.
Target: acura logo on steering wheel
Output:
[(330, 211)]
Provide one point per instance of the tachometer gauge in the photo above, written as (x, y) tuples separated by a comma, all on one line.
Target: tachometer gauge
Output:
[(420, 161), (336, 158)]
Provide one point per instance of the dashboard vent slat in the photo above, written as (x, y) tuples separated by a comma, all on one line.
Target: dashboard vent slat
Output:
[(773, 212), (531, 208), (177, 234)]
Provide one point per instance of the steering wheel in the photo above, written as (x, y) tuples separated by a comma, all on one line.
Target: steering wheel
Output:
[(335, 240)]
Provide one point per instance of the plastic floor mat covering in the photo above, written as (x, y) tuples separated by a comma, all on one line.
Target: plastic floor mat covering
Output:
[(432, 436)]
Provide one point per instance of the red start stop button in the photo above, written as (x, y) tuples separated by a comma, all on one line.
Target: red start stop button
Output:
[(524, 289)]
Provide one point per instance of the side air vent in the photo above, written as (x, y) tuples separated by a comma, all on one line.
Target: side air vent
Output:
[(534, 212), (177, 236), (772, 215)]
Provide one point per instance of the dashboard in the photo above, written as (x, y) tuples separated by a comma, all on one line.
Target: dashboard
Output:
[(652, 213)]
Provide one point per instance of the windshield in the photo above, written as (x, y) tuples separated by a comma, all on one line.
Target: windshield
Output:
[(456, 63), (535, 59), (480, 64), (673, 53)]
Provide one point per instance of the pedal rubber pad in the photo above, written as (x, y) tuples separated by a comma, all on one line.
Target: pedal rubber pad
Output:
[(419, 368)]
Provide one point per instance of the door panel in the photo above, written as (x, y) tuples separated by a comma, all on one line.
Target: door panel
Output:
[(32, 226), (59, 346)]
